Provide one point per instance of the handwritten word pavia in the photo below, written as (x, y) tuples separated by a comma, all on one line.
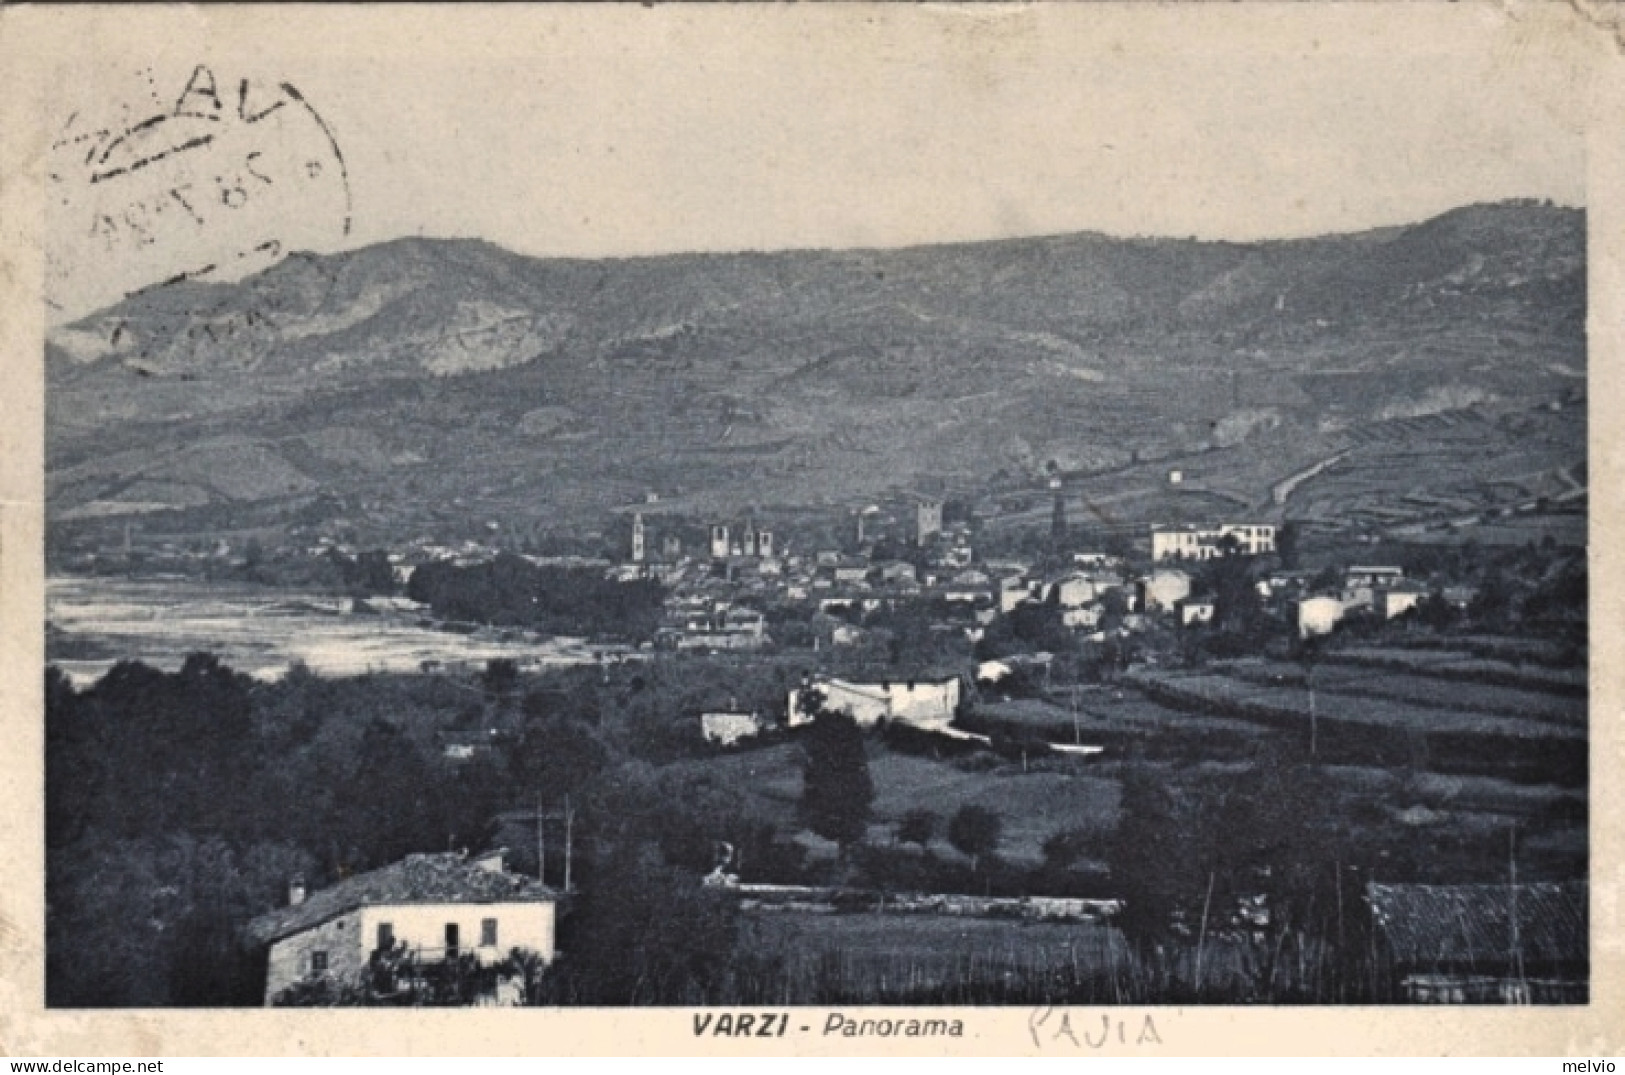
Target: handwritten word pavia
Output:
[(1049, 1026)]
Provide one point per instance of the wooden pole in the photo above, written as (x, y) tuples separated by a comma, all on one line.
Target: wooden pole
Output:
[(1313, 723), (541, 843), (1512, 903), (569, 819)]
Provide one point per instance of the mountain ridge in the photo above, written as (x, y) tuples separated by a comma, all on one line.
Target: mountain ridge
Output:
[(426, 370)]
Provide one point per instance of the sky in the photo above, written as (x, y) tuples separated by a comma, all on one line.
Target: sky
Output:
[(631, 130)]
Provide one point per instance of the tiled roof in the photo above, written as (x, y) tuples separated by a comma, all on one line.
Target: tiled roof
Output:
[(441, 878), (1436, 925)]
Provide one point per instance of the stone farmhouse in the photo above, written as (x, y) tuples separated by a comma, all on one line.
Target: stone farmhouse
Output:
[(437, 907)]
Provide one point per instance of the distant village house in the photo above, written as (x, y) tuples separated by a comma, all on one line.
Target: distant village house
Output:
[(729, 728), (1193, 543), (922, 703)]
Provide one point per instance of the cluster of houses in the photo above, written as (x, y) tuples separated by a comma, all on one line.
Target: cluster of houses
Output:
[(1381, 591), (716, 600), (1515, 944)]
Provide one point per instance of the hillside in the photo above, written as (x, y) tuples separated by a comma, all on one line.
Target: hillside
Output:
[(422, 385)]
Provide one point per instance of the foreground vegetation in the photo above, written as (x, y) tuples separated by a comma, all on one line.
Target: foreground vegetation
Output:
[(178, 805)]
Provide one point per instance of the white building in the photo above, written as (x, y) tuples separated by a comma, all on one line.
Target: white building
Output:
[(1016, 590), (927, 520), (1088, 616), (435, 907), (729, 728), (1074, 590), (922, 703), (719, 541), (1361, 576), (1400, 600), (1195, 612), (1165, 589), (1318, 615), (1192, 543)]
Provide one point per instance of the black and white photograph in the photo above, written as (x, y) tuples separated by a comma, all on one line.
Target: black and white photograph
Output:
[(881, 511)]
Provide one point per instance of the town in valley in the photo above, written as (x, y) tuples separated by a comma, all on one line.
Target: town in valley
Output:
[(1056, 621)]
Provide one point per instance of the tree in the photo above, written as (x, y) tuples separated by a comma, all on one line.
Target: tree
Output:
[(1039, 624), (1286, 543), (645, 933), (1063, 848), (501, 679), (1159, 855), (974, 830), (1434, 611), (1491, 607), (1238, 608), (390, 804), (836, 788), (918, 826)]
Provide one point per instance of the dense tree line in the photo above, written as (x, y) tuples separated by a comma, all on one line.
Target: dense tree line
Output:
[(1264, 853), (511, 591), (179, 805)]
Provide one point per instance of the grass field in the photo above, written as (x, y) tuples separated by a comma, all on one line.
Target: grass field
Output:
[(1114, 717), (884, 958), (1463, 665), (1355, 682), (1031, 805), (1294, 703), (895, 959)]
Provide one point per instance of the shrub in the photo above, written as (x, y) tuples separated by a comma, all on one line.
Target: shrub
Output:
[(974, 831)]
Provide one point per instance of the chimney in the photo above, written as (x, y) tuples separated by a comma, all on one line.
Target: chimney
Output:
[(296, 892)]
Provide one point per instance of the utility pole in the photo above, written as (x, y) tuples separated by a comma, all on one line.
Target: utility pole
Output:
[(1512, 903), (1313, 722), (541, 818), (569, 820), (1309, 673)]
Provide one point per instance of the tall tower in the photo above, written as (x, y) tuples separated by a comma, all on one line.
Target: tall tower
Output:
[(764, 544), (719, 541), (637, 538), (928, 520), (747, 542), (1057, 518)]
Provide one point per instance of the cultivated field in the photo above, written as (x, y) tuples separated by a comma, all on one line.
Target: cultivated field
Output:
[(1032, 805), (894, 959)]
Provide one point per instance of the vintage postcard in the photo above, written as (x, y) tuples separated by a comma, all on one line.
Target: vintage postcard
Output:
[(1070, 529)]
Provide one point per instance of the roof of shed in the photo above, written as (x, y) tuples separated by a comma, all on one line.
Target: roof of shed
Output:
[(1464, 924)]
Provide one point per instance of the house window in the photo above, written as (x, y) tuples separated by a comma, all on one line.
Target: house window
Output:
[(386, 936), (488, 933), (318, 962), (451, 938)]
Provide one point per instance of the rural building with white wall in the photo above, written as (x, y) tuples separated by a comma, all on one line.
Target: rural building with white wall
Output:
[(922, 703), (435, 906)]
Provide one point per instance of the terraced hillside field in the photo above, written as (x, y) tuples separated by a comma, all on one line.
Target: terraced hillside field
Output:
[(1450, 710)]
